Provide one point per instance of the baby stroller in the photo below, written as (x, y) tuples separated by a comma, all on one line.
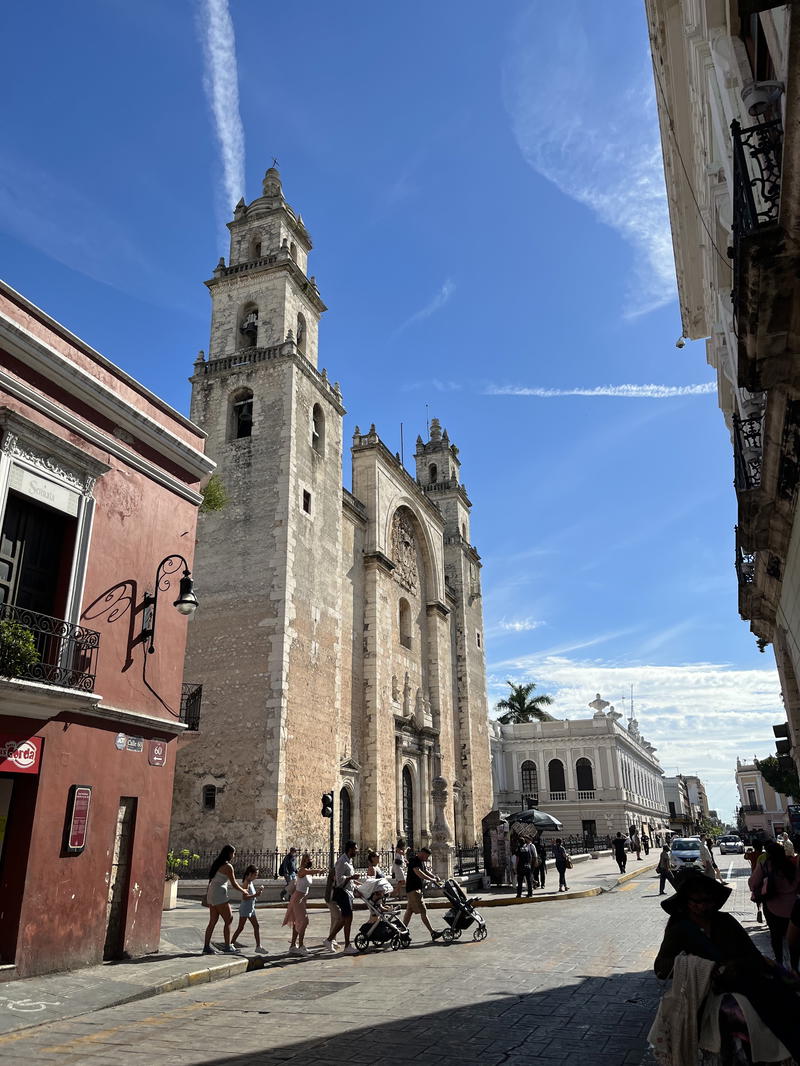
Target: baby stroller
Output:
[(462, 914), (384, 928)]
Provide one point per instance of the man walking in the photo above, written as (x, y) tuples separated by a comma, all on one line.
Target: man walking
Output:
[(344, 878), (525, 861), (646, 843), (416, 876), (288, 871), (620, 846), (636, 844), (664, 869), (541, 852)]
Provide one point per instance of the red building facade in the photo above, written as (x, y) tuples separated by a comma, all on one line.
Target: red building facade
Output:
[(99, 484)]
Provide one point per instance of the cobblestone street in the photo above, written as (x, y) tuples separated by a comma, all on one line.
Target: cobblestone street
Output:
[(566, 983)]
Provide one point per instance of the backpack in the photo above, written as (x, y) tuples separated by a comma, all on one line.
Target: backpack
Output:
[(524, 858)]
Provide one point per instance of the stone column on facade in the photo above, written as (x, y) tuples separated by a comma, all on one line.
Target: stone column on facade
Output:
[(441, 837), (428, 788), (398, 781)]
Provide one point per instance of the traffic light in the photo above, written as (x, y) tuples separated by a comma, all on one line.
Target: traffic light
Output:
[(327, 805)]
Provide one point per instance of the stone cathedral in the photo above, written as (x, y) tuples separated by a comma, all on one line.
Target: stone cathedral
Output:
[(339, 640)]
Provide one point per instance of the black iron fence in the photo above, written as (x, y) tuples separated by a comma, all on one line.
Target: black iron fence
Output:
[(61, 654)]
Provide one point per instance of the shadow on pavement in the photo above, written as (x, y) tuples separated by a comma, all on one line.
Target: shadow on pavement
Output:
[(582, 1020)]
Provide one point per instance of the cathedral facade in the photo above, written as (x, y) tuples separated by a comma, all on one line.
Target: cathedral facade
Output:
[(340, 636)]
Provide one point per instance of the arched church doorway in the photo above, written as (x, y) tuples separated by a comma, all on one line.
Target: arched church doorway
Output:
[(408, 806)]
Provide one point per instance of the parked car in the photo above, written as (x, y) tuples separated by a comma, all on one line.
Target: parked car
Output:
[(731, 846), (684, 850)]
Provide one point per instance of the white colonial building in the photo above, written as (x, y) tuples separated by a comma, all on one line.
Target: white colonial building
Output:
[(596, 775)]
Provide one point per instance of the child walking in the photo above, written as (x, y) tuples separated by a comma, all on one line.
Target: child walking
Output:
[(247, 908)]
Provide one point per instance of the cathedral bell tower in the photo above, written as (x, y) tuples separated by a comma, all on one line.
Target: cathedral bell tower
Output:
[(439, 476), (269, 561)]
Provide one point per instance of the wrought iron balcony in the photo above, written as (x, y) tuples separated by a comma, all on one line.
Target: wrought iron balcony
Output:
[(65, 654), (756, 186), (747, 448), (752, 808), (191, 698), (745, 563)]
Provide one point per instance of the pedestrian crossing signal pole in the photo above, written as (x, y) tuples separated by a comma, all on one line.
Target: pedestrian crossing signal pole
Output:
[(327, 812)]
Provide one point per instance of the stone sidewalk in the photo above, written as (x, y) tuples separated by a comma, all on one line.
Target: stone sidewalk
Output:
[(178, 965)]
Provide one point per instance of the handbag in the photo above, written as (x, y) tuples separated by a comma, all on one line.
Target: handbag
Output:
[(569, 863), (765, 890)]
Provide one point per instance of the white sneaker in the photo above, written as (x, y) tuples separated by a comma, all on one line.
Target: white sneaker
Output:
[(261, 951), (350, 950), (301, 949), (295, 950), (330, 945), (335, 945), (229, 949)]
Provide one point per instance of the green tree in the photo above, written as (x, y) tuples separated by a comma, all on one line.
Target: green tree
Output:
[(523, 706), (786, 782), (18, 650)]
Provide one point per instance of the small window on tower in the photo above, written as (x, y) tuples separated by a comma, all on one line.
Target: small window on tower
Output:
[(301, 333), (306, 501), (404, 620), (257, 250), (241, 418), (433, 473), (318, 430), (209, 797), (478, 637), (293, 251)]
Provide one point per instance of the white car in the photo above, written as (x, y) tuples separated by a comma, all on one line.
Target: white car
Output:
[(683, 851), (730, 846)]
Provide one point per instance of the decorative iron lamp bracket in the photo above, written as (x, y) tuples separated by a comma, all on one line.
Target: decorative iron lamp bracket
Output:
[(186, 603)]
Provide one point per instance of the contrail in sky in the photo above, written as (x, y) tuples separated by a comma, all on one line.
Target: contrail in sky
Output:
[(648, 392), (221, 83)]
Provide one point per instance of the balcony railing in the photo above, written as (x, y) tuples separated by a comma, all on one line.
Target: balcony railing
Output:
[(191, 698), (747, 447), (557, 797), (752, 808), (756, 185), (745, 563), (66, 654), (586, 794)]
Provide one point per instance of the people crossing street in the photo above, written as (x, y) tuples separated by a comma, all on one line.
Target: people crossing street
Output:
[(417, 876), (664, 869)]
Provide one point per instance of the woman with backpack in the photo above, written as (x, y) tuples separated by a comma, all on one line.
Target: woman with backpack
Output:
[(775, 883), (525, 861)]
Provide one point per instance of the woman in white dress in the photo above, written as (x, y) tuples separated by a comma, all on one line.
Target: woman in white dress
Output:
[(221, 879), (296, 914)]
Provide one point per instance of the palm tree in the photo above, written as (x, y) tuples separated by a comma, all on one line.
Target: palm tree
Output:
[(522, 706)]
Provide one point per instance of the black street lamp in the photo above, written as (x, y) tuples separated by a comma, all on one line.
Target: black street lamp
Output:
[(186, 602)]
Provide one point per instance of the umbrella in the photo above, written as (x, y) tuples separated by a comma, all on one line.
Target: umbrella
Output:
[(533, 819)]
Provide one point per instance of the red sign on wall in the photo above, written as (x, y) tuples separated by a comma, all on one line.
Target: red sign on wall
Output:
[(20, 755), (157, 753), (81, 799)]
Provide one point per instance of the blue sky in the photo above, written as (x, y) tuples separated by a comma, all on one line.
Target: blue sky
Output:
[(486, 201)]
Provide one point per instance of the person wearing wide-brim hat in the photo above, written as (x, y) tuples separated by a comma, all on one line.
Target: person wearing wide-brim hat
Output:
[(698, 926)]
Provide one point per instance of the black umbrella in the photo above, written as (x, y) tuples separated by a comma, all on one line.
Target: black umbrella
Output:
[(535, 819)]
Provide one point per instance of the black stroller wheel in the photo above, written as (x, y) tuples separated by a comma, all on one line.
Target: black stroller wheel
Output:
[(405, 940), (361, 942), (395, 943), (481, 932), (447, 936)]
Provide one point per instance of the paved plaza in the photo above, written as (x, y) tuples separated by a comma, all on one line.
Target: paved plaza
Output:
[(564, 983)]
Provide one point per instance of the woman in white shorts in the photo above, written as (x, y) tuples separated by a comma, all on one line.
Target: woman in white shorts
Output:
[(296, 913), (221, 879)]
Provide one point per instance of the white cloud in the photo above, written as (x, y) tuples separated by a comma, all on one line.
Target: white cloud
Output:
[(436, 304), (517, 625), (647, 392), (581, 126), (221, 83), (700, 716)]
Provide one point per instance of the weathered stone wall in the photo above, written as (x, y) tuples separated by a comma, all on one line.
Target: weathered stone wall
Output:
[(236, 644)]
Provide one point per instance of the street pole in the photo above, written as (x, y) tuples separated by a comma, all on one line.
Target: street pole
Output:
[(331, 841)]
